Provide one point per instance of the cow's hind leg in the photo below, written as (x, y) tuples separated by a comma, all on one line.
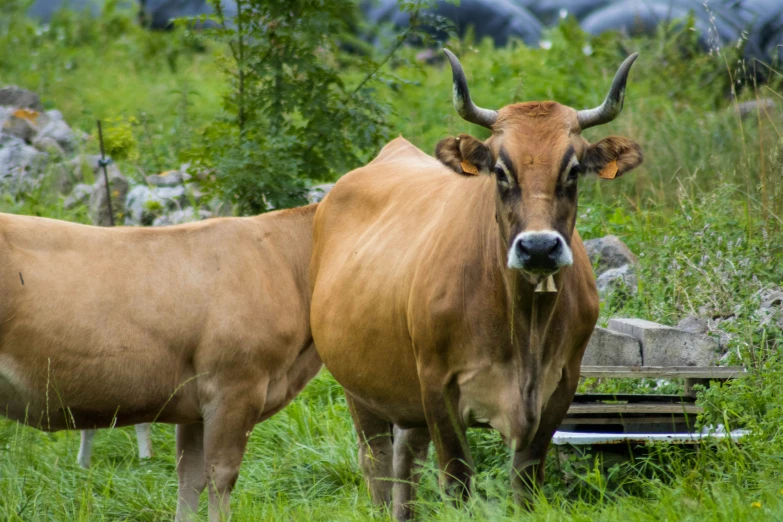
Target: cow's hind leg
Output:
[(227, 429), (191, 472), (410, 450), (144, 440), (376, 452), (85, 448)]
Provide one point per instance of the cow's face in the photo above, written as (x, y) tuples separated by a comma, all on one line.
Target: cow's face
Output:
[(536, 155)]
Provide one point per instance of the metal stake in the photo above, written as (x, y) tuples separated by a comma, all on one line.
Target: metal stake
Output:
[(103, 163)]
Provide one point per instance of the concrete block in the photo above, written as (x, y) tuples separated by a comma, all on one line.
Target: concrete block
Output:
[(666, 346), (608, 348)]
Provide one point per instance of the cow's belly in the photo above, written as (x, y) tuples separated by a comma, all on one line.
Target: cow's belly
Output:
[(70, 390)]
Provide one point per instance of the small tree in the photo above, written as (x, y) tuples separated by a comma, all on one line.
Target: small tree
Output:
[(298, 108)]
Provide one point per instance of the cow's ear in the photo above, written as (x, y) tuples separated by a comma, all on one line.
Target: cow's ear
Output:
[(464, 155), (612, 157)]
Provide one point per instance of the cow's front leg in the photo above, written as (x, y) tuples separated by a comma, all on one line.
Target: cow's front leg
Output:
[(228, 422), (527, 472), (448, 434)]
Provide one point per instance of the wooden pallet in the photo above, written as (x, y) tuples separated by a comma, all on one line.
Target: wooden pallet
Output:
[(628, 413)]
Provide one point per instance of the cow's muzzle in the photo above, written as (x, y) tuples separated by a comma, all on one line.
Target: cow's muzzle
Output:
[(541, 253)]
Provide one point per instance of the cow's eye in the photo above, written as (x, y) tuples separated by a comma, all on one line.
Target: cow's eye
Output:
[(500, 175), (574, 172)]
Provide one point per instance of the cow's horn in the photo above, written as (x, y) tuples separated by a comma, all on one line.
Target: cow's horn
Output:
[(465, 107), (613, 104)]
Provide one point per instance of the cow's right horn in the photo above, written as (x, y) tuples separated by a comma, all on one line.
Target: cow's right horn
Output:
[(465, 107), (613, 104)]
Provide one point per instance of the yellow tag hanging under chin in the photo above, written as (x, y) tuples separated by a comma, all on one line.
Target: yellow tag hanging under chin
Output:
[(609, 171), (469, 168)]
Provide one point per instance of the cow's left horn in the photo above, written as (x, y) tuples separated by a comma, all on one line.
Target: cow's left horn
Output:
[(465, 107), (613, 104)]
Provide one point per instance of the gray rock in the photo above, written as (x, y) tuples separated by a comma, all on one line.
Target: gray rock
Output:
[(753, 107), (20, 164), (318, 192), (23, 128), (771, 308), (608, 348), (5, 115), (666, 346), (176, 217), (617, 279), (13, 96), (145, 204), (61, 133), (169, 178), (54, 115), (608, 252), (79, 196), (48, 145), (119, 186), (694, 324), (86, 161)]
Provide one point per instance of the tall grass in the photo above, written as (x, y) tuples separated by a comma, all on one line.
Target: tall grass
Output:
[(703, 213)]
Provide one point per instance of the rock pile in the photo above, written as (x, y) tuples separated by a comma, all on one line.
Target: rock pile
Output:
[(35, 143), (614, 265)]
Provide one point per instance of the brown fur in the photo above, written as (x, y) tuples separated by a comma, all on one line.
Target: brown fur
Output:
[(434, 333), (203, 325)]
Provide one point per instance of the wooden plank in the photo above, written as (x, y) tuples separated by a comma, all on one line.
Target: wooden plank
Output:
[(580, 409), (577, 421), (632, 397), (674, 372)]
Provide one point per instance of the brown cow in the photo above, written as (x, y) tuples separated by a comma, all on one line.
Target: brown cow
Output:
[(423, 282), (203, 325)]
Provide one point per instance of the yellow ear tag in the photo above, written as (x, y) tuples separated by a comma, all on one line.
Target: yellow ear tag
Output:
[(609, 171), (469, 168)]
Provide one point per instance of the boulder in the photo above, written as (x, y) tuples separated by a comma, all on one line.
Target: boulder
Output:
[(48, 145), (169, 178), (22, 124), (145, 204), (59, 131), (79, 196), (176, 217), (318, 192), (770, 310), (617, 279), (13, 96), (118, 184), (666, 346), (20, 164), (608, 252), (608, 348), (694, 324)]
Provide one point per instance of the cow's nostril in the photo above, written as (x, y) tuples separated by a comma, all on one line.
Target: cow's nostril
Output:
[(555, 247)]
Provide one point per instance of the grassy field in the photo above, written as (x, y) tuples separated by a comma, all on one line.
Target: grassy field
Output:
[(703, 213)]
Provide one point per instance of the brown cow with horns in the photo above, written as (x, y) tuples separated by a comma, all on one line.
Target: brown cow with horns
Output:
[(449, 318)]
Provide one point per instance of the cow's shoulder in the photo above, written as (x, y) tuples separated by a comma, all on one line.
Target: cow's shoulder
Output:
[(401, 150)]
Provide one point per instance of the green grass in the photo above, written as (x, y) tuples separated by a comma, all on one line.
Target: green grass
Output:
[(703, 213)]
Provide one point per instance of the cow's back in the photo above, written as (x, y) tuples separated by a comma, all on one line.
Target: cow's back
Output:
[(126, 321)]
